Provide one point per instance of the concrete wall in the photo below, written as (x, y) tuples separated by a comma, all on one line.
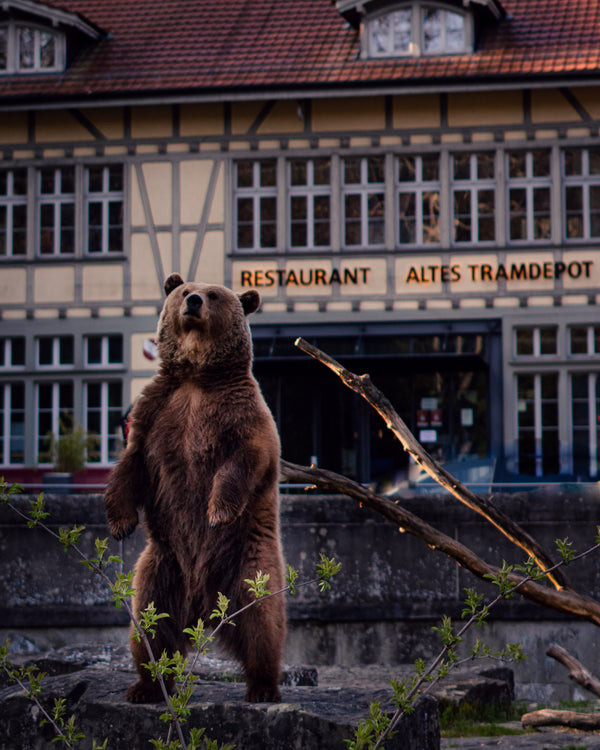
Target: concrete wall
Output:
[(391, 591)]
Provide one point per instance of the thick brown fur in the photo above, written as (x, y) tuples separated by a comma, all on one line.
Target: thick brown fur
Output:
[(202, 463)]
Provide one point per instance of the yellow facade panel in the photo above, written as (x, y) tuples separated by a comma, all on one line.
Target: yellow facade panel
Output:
[(138, 217), (165, 247), (152, 122), (286, 116), (360, 113), (144, 283), (201, 120), (54, 284), (589, 98), (415, 111), (217, 209), (109, 121), (60, 126), (13, 129), (243, 114), (159, 186), (193, 181), (211, 265), (549, 105), (484, 109), (13, 286), (102, 283)]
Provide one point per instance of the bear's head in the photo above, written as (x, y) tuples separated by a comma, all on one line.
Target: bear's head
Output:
[(204, 327)]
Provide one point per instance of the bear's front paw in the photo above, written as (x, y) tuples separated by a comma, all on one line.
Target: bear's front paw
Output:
[(122, 527), (219, 515)]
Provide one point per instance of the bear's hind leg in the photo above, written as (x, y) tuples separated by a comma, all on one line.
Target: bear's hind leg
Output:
[(156, 580), (258, 644)]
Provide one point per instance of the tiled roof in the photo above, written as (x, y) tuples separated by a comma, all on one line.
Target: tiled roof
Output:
[(214, 46)]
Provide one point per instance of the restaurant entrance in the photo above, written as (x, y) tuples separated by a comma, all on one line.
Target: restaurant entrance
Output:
[(443, 385)]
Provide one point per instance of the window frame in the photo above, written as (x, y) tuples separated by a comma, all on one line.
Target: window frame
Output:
[(106, 455), (473, 185), (107, 198), (311, 191), (56, 343), (585, 181), (256, 193), (364, 190), (416, 46), (105, 343), (13, 66), (530, 183), (7, 423)]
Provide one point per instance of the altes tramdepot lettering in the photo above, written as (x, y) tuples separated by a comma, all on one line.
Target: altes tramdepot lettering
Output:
[(508, 272), (418, 274)]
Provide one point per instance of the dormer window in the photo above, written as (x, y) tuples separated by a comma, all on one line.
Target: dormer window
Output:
[(418, 29), (29, 49)]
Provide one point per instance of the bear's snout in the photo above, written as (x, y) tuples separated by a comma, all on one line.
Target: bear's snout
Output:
[(193, 304)]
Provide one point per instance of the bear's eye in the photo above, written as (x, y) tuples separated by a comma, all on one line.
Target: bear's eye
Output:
[(185, 293), (212, 296)]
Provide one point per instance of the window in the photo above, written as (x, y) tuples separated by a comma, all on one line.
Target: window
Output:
[(13, 212), (54, 351), (30, 49), (418, 188), (309, 182), (581, 176), (585, 409), (12, 352), (56, 193), (473, 197), (535, 342), (364, 201), (584, 339), (103, 351), (417, 29), (12, 423), (256, 204), (103, 412), (537, 424), (529, 183), (54, 413), (104, 209)]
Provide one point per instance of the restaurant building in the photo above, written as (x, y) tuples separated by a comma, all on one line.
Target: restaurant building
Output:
[(413, 186)]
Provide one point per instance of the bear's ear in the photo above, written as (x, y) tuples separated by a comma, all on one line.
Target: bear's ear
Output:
[(172, 282), (250, 301)]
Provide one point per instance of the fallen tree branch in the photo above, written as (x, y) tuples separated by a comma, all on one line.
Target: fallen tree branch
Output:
[(563, 600), (578, 673), (363, 386), (550, 717)]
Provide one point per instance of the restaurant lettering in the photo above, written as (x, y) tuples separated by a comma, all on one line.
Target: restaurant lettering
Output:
[(303, 277)]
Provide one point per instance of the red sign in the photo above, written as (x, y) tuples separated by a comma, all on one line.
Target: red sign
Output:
[(435, 416), (422, 418)]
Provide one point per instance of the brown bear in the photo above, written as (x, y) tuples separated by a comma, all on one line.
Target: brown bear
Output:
[(202, 462)]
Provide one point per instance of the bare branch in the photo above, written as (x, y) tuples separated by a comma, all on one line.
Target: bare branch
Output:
[(363, 386), (563, 600), (578, 673), (549, 717)]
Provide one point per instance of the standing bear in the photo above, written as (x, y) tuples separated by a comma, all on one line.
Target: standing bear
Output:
[(202, 462)]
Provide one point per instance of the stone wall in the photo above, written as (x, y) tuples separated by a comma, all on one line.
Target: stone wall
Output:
[(381, 609)]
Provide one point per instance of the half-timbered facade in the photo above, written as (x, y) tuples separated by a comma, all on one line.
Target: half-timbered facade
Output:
[(415, 186)]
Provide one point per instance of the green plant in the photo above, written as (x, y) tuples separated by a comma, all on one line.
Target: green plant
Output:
[(69, 450), (480, 720), (176, 666)]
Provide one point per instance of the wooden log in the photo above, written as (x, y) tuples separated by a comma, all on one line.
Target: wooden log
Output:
[(550, 717)]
